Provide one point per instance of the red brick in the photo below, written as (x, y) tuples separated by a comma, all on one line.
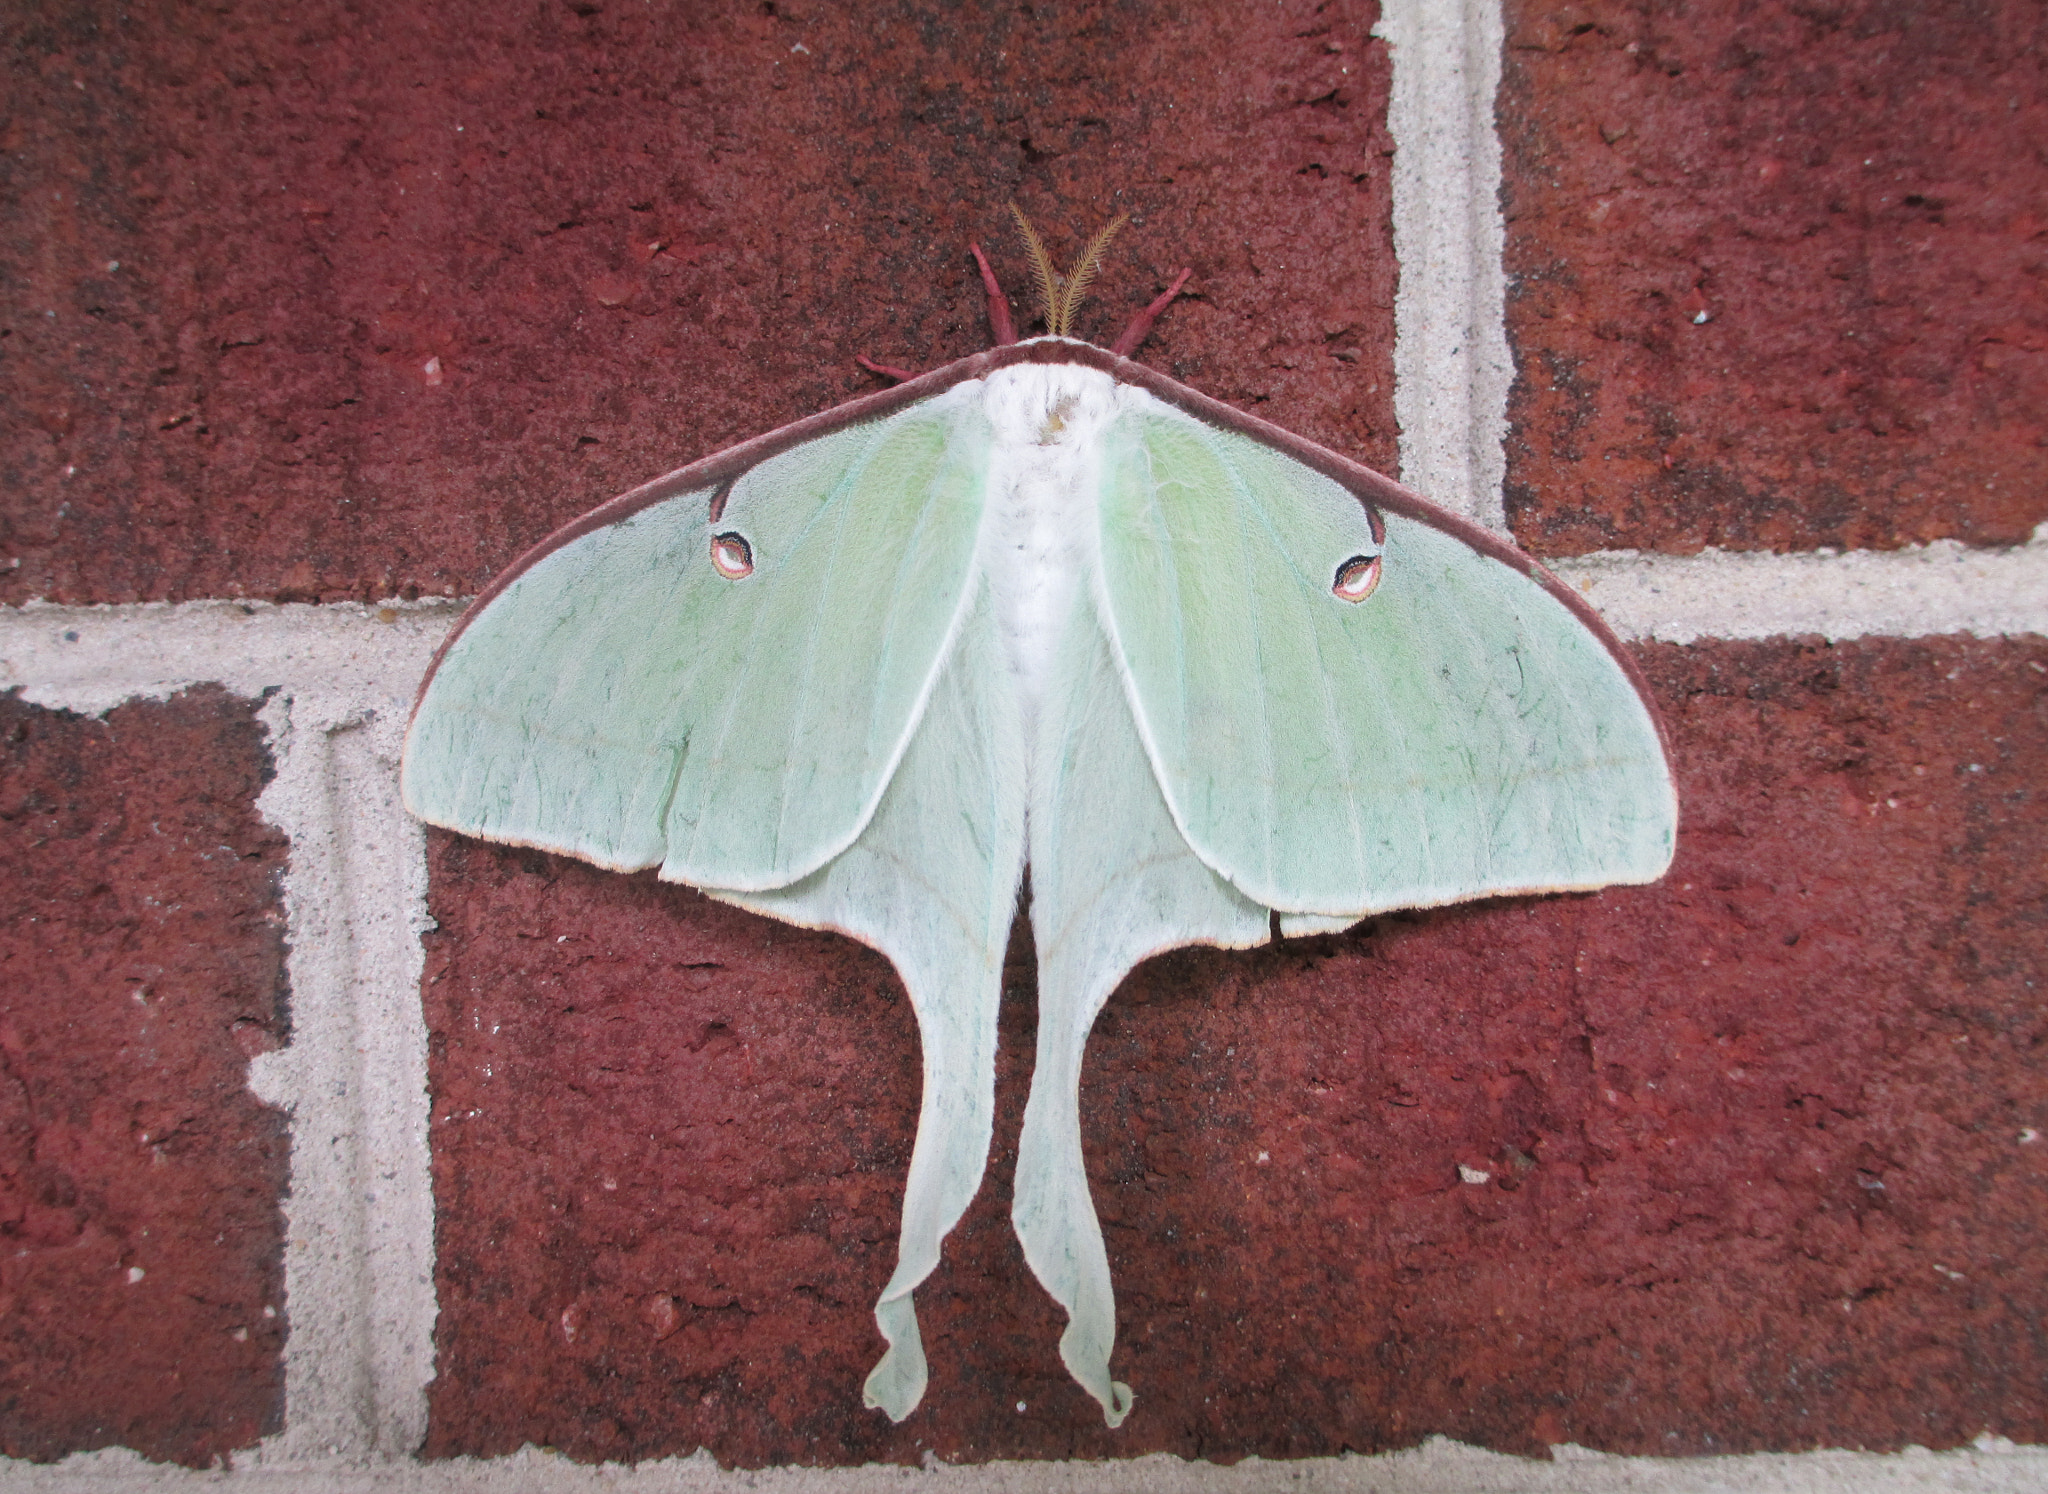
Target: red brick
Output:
[(1754, 1137), (403, 287), (1852, 195), (141, 1242)]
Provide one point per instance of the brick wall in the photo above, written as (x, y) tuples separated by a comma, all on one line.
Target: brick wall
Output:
[(1732, 312)]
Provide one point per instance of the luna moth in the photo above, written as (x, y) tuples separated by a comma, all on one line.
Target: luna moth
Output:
[(1043, 606)]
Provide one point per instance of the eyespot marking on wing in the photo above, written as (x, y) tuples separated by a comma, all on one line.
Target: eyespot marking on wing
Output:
[(1356, 578), (731, 556)]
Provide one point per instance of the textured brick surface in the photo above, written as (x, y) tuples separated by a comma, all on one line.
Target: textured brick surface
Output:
[(142, 964), (331, 300), (1767, 1143), (1776, 272)]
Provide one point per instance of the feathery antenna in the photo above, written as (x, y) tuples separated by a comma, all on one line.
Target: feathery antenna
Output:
[(1083, 273), (1042, 271), (1060, 296)]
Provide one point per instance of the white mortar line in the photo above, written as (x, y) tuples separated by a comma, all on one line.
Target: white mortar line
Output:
[(1439, 1466), (1452, 366), (1933, 589), (92, 658), (359, 1248), (359, 1298)]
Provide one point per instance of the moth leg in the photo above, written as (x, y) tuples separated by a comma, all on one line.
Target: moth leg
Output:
[(1141, 324), (887, 371), (1002, 330)]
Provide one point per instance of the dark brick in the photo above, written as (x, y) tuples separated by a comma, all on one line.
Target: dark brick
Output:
[(1852, 194), (403, 287), (1755, 1137), (141, 967)]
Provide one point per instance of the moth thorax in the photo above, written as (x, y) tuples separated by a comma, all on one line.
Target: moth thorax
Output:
[(1049, 404), (1039, 540)]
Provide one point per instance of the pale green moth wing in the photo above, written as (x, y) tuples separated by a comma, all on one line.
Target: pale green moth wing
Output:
[(1279, 701), (624, 700), (1462, 730), (1112, 882), (932, 883), (781, 683)]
